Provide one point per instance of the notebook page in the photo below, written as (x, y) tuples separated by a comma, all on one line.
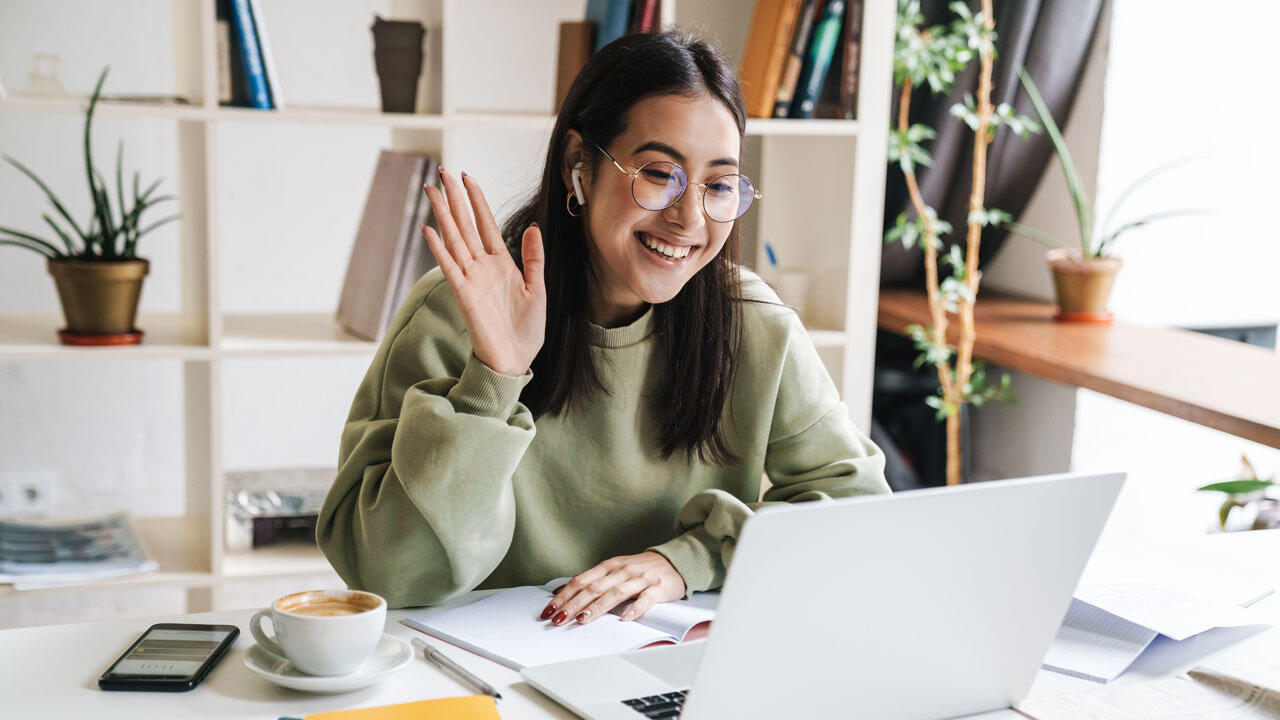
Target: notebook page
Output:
[(677, 618), (505, 628), (1095, 645)]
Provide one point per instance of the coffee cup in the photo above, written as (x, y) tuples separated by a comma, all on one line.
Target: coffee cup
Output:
[(323, 632)]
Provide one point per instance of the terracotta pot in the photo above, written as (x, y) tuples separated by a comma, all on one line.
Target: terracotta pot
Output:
[(99, 298), (1082, 285)]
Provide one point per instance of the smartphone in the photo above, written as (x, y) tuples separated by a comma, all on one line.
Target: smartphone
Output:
[(169, 657)]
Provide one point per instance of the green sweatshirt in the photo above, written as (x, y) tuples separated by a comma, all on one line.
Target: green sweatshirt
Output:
[(446, 484)]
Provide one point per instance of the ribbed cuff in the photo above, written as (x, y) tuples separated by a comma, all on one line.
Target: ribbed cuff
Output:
[(696, 556), (483, 391)]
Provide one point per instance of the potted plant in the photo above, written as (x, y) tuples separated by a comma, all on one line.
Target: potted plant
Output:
[(97, 271), (1083, 279), (1249, 499)]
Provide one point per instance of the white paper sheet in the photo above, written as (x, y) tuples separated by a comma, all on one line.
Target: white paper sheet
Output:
[(1201, 694)]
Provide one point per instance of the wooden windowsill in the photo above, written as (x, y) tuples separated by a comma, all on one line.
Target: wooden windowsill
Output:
[(1222, 384)]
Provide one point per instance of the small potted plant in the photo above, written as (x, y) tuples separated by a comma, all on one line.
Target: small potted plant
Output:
[(97, 270), (1250, 504), (1083, 279)]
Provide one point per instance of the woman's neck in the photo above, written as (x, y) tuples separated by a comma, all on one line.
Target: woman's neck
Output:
[(609, 313)]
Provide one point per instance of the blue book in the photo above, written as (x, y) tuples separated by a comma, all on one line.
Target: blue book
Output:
[(610, 17), (826, 35), (251, 55)]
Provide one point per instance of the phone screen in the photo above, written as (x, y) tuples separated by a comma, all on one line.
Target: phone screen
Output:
[(170, 652)]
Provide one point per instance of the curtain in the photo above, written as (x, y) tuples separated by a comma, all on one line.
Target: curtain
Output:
[(1051, 38)]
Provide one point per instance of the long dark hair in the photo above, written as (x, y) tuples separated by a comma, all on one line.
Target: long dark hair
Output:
[(698, 332)]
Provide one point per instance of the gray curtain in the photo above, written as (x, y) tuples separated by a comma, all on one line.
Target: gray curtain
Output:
[(1051, 38)]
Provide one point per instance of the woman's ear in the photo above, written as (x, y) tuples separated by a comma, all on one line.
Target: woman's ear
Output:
[(574, 171)]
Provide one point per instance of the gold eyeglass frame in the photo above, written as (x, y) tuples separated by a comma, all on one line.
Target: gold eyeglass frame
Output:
[(755, 195)]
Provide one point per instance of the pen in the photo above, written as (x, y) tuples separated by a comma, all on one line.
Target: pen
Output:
[(440, 660)]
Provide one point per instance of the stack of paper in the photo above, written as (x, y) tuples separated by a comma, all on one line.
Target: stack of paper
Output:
[(1120, 607), (1204, 693)]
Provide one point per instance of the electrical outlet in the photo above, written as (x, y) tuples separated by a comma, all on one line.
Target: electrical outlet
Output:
[(26, 494)]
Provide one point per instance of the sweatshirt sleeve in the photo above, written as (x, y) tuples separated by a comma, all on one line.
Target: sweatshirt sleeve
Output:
[(814, 452), (422, 507)]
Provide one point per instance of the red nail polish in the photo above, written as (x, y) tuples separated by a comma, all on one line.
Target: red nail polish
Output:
[(559, 618), (582, 616), (440, 170), (535, 224), (464, 174), (547, 612)]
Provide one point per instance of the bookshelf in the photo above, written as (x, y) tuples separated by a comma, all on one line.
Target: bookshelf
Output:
[(822, 179)]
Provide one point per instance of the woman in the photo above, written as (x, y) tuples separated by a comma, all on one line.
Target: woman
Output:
[(607, 409)]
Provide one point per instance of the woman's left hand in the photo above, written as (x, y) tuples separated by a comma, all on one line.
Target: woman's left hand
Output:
[(648, 578)]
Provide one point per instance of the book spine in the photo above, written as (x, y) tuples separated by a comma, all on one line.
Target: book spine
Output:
[(223, 38), (765, 55), (268, 60), (611, 20), (825, 37), (795, 59), (848, 107), (575, 43), (255, 79)]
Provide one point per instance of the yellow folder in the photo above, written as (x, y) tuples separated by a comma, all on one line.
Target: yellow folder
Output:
[(474, 707)]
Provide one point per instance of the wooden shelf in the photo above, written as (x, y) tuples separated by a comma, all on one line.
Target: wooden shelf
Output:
[(35, 337), (1207, 380), (815, 127), (288, 559), (290, 334)]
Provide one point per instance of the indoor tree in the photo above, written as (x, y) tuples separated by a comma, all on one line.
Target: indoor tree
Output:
[(933, 56)]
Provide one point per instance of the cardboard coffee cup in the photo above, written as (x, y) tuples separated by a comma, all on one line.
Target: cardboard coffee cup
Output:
[(323, 632)]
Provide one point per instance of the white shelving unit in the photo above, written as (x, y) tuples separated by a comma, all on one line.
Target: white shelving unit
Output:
[(822, 181)]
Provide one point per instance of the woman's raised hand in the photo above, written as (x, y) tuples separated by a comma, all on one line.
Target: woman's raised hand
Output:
[(505, 310)]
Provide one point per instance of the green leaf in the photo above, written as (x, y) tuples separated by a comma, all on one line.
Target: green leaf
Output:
[(53, 199), (1076, 187), (66, 240), (103, 221), (26, 246), (1104, 245), (1031, 233), (1237, 487), (31, 239), (1145, 178)]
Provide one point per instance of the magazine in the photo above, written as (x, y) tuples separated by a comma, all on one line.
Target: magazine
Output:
[(42, 553)]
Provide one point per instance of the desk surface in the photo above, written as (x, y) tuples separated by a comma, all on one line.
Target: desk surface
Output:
[(52, 671), (1210, 381)]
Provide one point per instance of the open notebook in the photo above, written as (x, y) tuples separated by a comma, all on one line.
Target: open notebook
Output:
[(504, 627)]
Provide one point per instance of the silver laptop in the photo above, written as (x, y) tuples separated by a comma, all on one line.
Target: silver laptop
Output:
[(932, 603)]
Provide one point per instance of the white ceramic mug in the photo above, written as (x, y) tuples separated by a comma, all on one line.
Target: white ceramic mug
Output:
[(323, 632)]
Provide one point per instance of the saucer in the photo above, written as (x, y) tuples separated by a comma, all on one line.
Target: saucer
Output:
[(390, 655)]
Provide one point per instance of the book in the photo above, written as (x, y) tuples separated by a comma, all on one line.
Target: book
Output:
[(250, 55), (610, 17), (795, 57), (472, 707), (645, 16), (504, 627), (230, 67), (268, 61), (367, 304), (765, 54), (822, 47), (36, 554), (416, 258), (576, 40), (850, 63)]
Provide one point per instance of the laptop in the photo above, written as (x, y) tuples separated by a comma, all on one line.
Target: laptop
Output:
[(925, 604)]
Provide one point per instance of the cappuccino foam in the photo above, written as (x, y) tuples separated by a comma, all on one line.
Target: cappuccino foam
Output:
[(322, 604), (330, 608)]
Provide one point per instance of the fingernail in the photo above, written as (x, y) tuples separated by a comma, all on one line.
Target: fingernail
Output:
[(559, 618), (464, 174), (440, 171), (535, 224), (582, 616), (547, 612)]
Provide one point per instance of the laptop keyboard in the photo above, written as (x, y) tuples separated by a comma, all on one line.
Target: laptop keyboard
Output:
[(658, 706)]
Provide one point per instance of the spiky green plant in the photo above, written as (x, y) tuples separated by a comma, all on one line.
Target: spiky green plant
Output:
[(103, 239)]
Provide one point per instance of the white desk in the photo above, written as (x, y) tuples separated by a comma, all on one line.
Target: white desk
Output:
[(52, 671)]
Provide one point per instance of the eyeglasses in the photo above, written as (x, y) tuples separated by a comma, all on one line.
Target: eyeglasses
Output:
[(659, 185)]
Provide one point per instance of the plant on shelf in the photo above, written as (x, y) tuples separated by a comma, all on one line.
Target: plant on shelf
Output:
[(1249, 498), (1083, 279), (97, 270), (934, 56)]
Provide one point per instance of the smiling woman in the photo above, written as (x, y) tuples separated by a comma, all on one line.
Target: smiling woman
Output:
[(596, 389)]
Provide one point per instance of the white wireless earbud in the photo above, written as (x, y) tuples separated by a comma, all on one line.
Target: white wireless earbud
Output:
[(576, 176)]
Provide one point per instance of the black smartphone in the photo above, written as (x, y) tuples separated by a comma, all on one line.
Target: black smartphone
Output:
[(169, 657)]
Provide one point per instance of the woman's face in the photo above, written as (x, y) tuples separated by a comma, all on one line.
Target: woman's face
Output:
[(627, 242)]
